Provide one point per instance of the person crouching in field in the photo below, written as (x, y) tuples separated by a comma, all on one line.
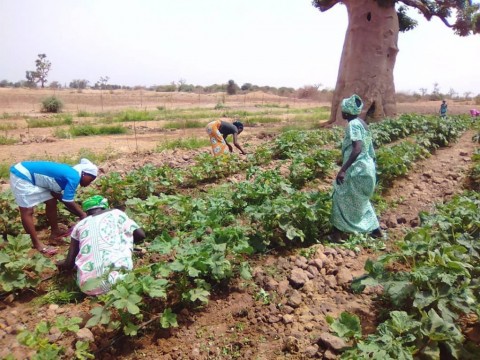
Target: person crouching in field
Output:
[(34, 182), (101, 246), (354, 185), (218, 131)]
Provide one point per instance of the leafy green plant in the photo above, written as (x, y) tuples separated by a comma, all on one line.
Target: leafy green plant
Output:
[(52, 104), (125, 303), (10, 223), (44, 349), (432, 277), (19, 269)]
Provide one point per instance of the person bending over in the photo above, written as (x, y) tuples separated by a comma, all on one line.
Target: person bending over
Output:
[(101, 246), (34, 182), (218, 131)]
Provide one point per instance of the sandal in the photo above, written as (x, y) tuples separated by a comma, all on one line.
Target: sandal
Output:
[(48, 251)]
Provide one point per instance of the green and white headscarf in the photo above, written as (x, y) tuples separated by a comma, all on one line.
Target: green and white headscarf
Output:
[(352, 105), (94, 202)]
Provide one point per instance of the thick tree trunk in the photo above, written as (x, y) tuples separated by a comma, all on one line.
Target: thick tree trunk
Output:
[(368, 59)]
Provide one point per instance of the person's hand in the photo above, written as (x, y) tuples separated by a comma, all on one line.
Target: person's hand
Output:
[(61, 265), (243, 153), (56, 195), (340, 177)]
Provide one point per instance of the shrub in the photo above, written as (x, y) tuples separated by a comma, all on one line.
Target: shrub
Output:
[(190, 143), (52, 104), (6, 140)]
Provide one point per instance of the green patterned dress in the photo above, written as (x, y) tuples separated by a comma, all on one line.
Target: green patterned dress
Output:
[(105, 255), (351, 209)]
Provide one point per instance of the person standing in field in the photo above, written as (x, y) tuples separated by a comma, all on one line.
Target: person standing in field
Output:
[(34, 182), (101, 246), (443, 109), (354, 185), (218, 131)]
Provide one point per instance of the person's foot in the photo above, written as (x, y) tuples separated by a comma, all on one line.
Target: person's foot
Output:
[(59, 234), (337, 236), (377, 233)]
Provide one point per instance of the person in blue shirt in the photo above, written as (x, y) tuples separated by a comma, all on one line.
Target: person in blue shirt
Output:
[(34, 182), (443, 109)]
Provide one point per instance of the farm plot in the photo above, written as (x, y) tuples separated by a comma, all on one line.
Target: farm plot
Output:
[(200, 243)]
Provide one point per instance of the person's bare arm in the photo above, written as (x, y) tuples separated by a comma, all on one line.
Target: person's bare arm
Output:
[(237, 145), (138, 235), (69, 262), (356, 150), (75, 209)]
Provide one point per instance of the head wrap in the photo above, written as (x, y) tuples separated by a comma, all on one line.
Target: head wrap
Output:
[(87, 167), (238, 124), (95, 202), (352, 105)]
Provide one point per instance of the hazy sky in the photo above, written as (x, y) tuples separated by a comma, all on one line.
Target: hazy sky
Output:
[(263, 42)]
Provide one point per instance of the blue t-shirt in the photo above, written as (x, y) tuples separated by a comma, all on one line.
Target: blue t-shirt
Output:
[(49, 175)]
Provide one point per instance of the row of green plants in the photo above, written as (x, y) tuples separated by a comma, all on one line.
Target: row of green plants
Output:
[(429, 284)]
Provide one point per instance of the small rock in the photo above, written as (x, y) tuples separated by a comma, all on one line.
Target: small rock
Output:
[(330, 341), (295, 299), (85, 334), (290, 345), (311, 351), (298, 278), (344, 276), (287, 318), (283, 287)]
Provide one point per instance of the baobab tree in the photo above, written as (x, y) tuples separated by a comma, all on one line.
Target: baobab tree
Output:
[(370, 48)]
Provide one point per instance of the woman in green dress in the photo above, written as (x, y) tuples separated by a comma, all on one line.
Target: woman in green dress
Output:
[(354, 185)]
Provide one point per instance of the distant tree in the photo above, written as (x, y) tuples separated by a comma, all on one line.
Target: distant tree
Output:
[(435, 95), (79, 84), (181, 83), (246, 87), (40, 74), (102, 83), (183, 86), (55, 85), (232, 87), (5, 83), (467, 94), (423, 91), (452, 93), (370, 48), (285, 91), (307, 92)]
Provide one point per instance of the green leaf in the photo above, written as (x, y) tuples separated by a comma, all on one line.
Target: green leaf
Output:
[(199, 294), (100, 316), (130, 329), (347, 326), (168, 319), (245, 272), (176, 266)]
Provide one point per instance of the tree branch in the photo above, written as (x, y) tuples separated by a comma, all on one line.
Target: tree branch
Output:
[(324, 5), (427, 13)]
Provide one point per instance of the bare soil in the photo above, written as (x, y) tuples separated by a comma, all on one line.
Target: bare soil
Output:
[(241, 322)]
